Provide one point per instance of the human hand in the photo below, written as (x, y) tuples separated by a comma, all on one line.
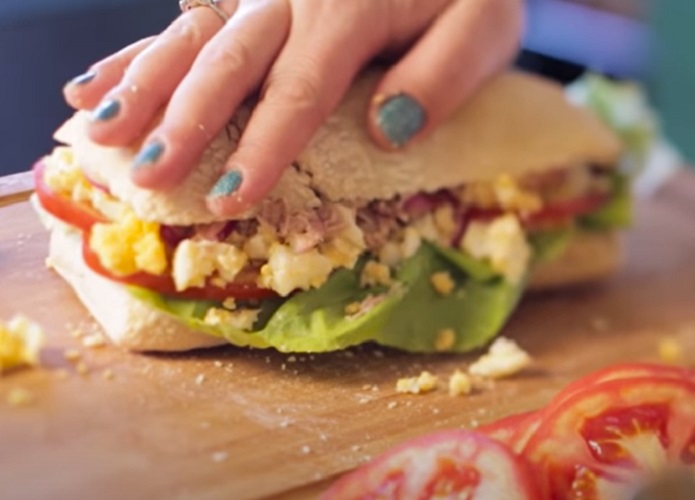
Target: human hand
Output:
[(303, 55)]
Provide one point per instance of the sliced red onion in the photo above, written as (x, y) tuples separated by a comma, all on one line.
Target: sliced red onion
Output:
[(173, 235)]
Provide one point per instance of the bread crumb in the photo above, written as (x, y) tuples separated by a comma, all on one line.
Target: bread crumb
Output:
[(20, 343), (219, 456), (446, 339), (442, 283), (306, 449), (391, 405), (94, 340), (218, 364), (670, 350), (504, 358), (77, 333), (72, 355), (423, 383), (108, 375), (460, 383), (200, 379), (18, 397)]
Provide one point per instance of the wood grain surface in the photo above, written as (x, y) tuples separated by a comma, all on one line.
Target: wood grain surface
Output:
[(232, 423)]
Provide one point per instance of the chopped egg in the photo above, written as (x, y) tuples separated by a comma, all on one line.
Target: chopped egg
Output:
[(194, 261), (20, 343), (460, 383), (18, 397), (411, 242), (504, 358), (287, 271), (502, 243), (347, 245), (442, 283), (423, 383), (129, 245), (446, 339), (241, 319), (257, 246), (445, 221), (375, 273), (62, 174), (670, 350)]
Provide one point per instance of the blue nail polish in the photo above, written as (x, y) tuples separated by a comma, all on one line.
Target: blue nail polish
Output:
[(106, 110), (227, 184), (148, 155), (400, 117), (83, 79)]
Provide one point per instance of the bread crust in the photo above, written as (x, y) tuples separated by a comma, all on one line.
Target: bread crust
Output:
[(516, 124)]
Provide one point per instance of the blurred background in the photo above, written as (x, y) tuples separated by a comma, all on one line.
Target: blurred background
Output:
[(44, 43)]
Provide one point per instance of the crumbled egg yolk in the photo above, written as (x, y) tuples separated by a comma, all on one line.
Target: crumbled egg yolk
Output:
[(460, 383), (425, 382), (445, 340), (442, 283), (194, 261), (375, 273), (129, 245), (502, 243), (504, 358), (504, 193), (345, 248), (20, 343), (243, 319), (287, 271), (63, 175)]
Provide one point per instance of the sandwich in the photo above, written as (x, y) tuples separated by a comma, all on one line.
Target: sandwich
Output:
[(423, 250)]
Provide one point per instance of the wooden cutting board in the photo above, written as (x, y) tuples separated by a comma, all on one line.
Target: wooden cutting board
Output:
[(231, 423)]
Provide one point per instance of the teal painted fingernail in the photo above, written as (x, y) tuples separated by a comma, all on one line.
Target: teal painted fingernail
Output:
[(227, 184), (106, 110), (83, 79), (400, 117), (148, 155)]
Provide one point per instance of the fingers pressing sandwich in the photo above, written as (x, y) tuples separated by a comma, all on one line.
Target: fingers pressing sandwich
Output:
[(465, 45), (302, 56)]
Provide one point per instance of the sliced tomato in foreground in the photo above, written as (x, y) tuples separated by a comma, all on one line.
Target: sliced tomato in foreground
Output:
[(244, 288), (623, 371), (449, 464), (608, 441), (63, 207), (506, 429)]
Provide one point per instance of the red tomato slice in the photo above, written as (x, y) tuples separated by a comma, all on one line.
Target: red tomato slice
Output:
[(557, 213), (244, 288), (615, 372), (449, 464), (62, 207), (608, 440), (505, 429)]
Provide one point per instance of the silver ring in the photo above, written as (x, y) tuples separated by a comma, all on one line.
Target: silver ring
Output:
[(186, 5)]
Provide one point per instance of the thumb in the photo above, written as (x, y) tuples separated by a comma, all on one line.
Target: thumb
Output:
[(466, 44)]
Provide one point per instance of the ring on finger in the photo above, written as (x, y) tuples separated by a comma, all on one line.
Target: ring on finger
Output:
[(186, 5)]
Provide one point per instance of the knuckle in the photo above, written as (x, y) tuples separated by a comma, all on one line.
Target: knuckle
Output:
[(232, 55), (185, 32), (298, 91)]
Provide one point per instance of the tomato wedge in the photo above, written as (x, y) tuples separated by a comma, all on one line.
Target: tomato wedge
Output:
[(244, 288), (447, 464), (608, 440), (62, 207)]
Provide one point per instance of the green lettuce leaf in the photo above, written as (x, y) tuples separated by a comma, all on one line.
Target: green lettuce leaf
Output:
[(615, 214), (409, 316)]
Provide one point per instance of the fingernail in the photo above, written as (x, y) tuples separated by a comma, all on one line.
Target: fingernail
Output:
[(106, 110), (83, 79), (227, 184), (148, 155), (400, 117)]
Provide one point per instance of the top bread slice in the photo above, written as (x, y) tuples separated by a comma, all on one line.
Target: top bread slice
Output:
[(516, 124)]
